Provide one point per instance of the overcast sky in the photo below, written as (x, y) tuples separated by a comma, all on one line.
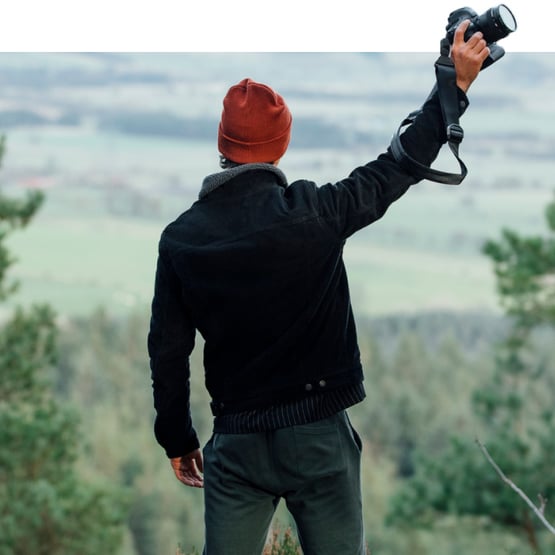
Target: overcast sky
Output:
[(254, 25)]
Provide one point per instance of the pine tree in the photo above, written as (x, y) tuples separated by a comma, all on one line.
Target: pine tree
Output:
[(514, 408), (45, 508)]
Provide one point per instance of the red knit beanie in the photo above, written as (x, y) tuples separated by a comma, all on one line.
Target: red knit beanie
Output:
[(255, 124)]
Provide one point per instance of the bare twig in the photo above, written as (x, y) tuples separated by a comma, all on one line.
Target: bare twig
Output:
[(543, 503), (539, 511)]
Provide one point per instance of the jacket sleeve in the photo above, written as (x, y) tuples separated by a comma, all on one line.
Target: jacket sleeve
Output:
[(364, 196), (170, 342)]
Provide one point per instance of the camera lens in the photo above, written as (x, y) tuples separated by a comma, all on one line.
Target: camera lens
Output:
[(496, 23), (506, 18)]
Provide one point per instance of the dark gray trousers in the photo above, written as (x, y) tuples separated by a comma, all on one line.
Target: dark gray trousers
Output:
[(314, 467)]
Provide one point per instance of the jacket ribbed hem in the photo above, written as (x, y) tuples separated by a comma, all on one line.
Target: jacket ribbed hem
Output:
[(310, 409)]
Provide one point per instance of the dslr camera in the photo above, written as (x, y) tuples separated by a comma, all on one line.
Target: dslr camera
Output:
[(495, 24)]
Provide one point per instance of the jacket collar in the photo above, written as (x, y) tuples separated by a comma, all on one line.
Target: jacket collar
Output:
[(216, 180)]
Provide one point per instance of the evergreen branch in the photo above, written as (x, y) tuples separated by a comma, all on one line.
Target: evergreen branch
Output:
[(539, 511)]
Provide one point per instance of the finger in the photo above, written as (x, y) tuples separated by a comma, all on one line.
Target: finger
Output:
[(194, 463), (192, 480), (484, 53), (189, 468), (194, 470), (480, 50), (476, 41), (458, 37)]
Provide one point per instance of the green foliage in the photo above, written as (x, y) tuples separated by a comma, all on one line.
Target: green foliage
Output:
[(45, 508), (282, 543), (27, 342), (143, 524), (101, 367), (525, 272), (415, 396), (514, 407), (180, 551), (14, 214)]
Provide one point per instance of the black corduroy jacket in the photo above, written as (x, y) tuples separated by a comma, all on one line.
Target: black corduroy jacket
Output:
[(255, 265)]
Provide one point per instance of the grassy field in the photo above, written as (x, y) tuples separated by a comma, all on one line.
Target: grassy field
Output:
[(423, 255)]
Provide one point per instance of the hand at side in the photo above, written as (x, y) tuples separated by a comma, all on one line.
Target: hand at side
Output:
[(188, 469)]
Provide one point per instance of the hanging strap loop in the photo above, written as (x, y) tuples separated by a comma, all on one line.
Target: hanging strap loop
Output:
[(446, 87)]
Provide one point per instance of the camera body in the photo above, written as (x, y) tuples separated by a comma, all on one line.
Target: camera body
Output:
[(494, 24)]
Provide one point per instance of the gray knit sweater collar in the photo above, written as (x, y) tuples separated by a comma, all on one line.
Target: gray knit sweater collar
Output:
[(215, 180)]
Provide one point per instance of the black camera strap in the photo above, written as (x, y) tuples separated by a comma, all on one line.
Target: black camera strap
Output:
[(446, 87)]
